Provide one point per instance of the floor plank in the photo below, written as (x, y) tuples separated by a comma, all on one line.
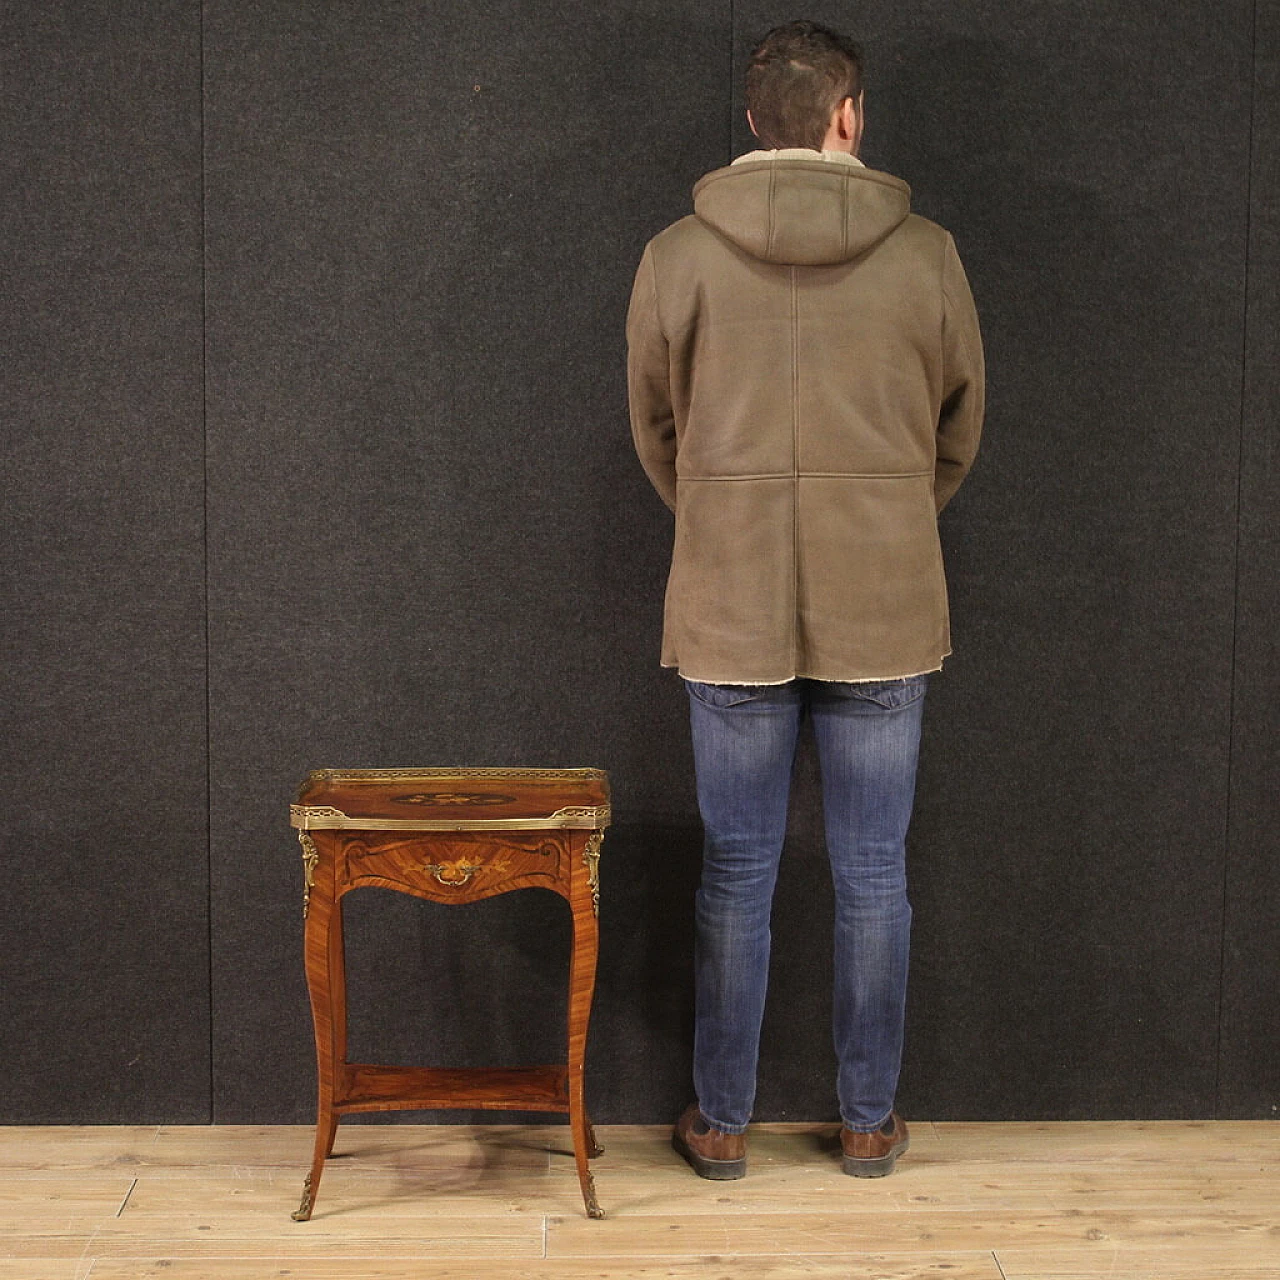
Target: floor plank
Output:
[(1205, 1141), (218, 1236), (1191, 1259), (49, 1245), (64, 1148), (48, 1200), (948, 1230), (1202, 1273), (43, 1268), (847, 1267)]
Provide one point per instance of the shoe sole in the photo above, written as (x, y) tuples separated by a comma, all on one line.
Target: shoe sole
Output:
[(877, 1166), (716, 1170)]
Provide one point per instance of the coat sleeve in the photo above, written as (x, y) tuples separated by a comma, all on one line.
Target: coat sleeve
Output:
[(963, 381), (653, 426)]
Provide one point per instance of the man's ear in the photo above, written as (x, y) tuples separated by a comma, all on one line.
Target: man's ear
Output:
[(752, 124), (851, 110)]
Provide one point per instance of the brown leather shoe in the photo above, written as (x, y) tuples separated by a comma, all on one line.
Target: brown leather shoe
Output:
[(872, 1155), (712, 1154)]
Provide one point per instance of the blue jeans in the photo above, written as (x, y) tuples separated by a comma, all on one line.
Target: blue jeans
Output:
[(744, 746)]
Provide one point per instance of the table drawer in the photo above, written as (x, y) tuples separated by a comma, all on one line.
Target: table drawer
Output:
[(455, 867)]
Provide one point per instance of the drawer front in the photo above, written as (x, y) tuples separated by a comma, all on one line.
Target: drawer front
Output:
[(457, 866)]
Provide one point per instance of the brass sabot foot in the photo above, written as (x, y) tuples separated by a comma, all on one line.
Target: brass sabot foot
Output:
[(589, 1195), (303, 1212)]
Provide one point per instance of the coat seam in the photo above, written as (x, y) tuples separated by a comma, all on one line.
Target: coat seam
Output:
[(949, 302), (947, 305), (965, 340), (768, 237), (795, 471), (811, 475), (657, 310), (844, 236)]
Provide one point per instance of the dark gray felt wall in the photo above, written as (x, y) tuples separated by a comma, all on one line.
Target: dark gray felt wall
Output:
[(104, 946), (317, 455)]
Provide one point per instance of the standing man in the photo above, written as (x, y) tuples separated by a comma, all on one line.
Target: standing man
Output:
[(806, 387)]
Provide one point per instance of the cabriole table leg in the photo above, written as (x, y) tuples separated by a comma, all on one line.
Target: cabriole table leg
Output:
[(582, 980), (326, 985)]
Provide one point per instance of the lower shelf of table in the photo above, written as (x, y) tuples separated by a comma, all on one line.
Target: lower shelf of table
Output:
[(367, 1087)]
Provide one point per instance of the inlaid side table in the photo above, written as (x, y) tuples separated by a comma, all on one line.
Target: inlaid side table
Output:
[(452, 836)]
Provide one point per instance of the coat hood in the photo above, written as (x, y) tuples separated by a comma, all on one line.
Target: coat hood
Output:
[(801, 212)]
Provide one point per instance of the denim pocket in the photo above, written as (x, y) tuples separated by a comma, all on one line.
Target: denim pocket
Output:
[(890, 694), (723, 695)]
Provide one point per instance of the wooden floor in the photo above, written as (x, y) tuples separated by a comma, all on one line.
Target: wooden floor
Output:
[(1183, 1201)]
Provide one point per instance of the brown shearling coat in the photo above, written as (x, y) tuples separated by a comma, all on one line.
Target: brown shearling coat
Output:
[(805, 376)]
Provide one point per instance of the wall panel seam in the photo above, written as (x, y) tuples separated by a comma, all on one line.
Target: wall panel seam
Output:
[(1235, 598), (204, 463), (733, 31)]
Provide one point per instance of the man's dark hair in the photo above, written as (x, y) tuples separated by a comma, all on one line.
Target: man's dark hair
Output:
[(798, 75)]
